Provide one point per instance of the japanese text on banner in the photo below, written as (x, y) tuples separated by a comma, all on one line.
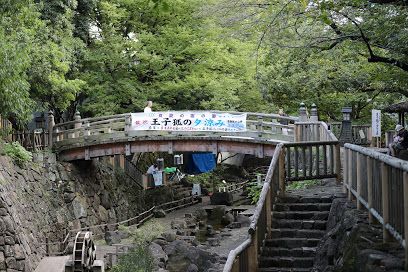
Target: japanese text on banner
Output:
[(189, 121)]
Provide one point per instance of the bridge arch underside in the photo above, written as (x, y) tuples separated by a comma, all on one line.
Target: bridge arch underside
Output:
[(87, 151)]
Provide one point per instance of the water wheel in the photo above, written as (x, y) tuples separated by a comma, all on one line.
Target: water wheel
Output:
[(84, 252)]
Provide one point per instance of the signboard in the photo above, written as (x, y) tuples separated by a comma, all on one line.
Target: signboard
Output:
[(376, 123), (189, 121)]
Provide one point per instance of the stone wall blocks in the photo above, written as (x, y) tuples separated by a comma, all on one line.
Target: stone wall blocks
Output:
[(11, 263), (8, 251), (18, 252), (9, 240)]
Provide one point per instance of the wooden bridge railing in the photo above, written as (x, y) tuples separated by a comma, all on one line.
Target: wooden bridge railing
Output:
[(380, 184), (258, 125), (313, 157)]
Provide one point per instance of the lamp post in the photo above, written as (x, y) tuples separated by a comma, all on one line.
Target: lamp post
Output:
[(346, 133)]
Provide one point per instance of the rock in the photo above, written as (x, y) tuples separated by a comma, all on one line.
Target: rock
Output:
[(169, 236), (178, 224), (188, 215), (182, 255), (11, 263), (112, 237), (161, 242), (227, 219), (223, 198), (105, 201), (159, 213), (234, 225), (243, 220), (18, 252), (79, 207), (192, 268), (8, 251), (9, 240), (200, 214), (213, 241), (2, 261), (158, 253)]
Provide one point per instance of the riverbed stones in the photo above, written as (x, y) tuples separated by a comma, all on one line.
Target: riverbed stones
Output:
[(160, 213)]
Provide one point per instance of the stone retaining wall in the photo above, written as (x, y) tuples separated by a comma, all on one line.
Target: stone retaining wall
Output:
[(39, 200)]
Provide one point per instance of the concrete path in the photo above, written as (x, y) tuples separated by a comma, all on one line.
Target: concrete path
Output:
[(52, 264)]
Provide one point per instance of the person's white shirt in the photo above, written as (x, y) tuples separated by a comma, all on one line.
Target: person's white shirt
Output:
[(147, 109), (151, 169)]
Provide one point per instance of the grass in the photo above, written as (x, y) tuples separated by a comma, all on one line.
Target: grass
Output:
[(296, 185)]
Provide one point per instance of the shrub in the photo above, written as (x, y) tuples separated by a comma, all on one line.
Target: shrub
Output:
[(18, 153), (296, 185), (138, 259), (254, 192)]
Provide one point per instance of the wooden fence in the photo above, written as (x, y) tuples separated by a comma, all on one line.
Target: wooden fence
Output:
[(316, 155), (380, 184), (5, 129), (31, 140), (58, 248)]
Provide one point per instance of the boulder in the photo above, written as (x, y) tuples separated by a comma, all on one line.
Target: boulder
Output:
[(227, 219), (221, 198), (112, 237), (169, 236), (158, 253), (160, 213), (243, 220)]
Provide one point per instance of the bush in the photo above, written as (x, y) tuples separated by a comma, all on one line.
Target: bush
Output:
[(254, 192), (138, 259), (296, 185), (18, 153)]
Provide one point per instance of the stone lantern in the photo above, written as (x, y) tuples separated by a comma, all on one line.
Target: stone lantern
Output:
[(346, 133)]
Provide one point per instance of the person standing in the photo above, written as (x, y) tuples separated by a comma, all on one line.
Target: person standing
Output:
[(148, 107)]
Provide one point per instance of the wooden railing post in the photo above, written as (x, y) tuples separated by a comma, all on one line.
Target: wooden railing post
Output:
[(385, 201), (405, 195), (370, 188), (51, 124), (268, 203), (282, 185), (350, 173), (260, 126), (338, 164), (345, 169), (359, 181), (253, 253)]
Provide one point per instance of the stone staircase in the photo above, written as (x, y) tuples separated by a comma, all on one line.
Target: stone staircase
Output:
[(298, 223)]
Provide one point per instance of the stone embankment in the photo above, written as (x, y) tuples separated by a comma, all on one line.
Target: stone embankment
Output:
[(40, 201)]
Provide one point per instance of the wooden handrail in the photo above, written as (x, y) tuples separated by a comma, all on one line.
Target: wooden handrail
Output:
[(383, 190)]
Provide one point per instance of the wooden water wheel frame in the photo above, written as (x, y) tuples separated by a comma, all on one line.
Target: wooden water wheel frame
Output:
[(84, 252)]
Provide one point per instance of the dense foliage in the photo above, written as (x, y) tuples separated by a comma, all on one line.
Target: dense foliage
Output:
[(105, 57)]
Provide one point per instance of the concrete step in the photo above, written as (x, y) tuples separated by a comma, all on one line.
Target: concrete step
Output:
[(298, 262), (280, 207), (306, 199), (289, 252), (283, 269), (297, 233), (315, 215), (299, 224), (291, 242)]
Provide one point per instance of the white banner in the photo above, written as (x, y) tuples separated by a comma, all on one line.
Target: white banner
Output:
[(376, 123), (189, 121)]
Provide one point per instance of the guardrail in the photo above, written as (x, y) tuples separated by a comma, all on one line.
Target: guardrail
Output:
[(31, 140), (380, 184), (258, 125), (324, 149)]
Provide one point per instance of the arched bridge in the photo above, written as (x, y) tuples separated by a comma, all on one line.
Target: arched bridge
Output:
[(191, 131)]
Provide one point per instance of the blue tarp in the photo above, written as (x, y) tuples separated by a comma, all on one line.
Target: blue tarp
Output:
[(201, 163)]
